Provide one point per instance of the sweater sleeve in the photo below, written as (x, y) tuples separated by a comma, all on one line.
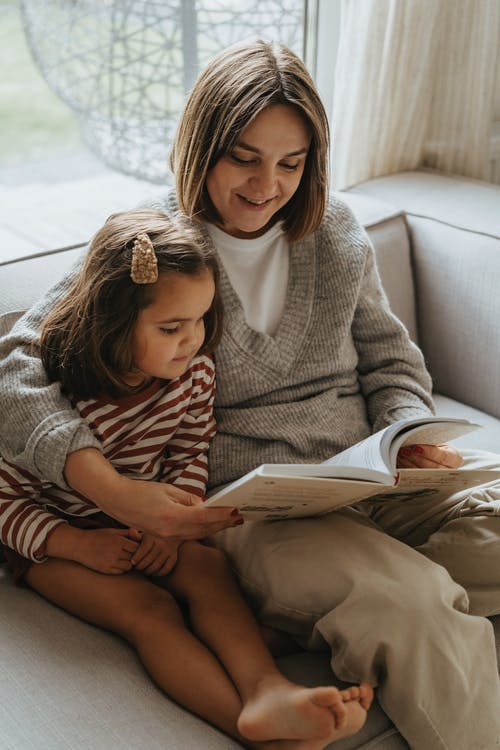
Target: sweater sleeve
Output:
[(186, 463), (392, 372), (24, 522), (39, 427)]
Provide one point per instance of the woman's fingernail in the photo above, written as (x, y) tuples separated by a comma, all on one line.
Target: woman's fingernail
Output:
[(239, 522), (418, 449), (235, 512), (405, 452)]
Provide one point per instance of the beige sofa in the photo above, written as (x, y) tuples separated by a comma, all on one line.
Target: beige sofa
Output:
[(65, 684)]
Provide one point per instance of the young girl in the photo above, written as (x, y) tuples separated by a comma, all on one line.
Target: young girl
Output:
[(129, 344), (310, 362)]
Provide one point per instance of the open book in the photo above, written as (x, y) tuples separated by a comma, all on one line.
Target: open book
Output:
[(367, 470)]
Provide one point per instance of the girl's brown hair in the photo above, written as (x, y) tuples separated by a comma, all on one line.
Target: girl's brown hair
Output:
[(86, 340), (235, 87)]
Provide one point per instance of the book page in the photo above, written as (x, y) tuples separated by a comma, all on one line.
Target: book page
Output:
[(430, 434), (435, 483), (367, 454), (263, 497), (379, 451)]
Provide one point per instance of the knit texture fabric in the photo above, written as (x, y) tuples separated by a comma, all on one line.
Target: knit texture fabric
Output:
[(339, 366)]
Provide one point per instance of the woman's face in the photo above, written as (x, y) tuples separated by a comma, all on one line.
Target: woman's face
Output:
[(262, 172)]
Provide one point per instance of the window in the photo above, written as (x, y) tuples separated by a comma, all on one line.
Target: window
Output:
[(118, 73)]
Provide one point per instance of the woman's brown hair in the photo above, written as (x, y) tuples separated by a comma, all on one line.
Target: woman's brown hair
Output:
[(235, 87), (86, 340)]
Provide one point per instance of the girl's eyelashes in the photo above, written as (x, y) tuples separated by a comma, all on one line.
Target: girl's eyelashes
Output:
[(177, 328)]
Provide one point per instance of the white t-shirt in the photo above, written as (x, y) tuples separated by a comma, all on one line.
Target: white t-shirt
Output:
[(258, 272)]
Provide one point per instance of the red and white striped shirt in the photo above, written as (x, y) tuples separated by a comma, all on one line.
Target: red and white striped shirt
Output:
[(160, 434)]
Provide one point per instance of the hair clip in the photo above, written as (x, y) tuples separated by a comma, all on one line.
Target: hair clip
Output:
[(144, 268)]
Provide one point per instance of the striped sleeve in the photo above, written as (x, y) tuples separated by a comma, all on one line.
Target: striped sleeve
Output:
[(186, 462), (24, 523)]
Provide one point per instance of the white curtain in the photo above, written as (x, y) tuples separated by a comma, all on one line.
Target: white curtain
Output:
[(415, 86)]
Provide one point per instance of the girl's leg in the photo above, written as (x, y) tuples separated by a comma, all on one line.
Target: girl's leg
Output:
[(273, 707), (148, 617)]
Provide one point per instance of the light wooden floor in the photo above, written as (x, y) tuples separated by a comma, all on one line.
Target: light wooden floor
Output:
[(37, 216)]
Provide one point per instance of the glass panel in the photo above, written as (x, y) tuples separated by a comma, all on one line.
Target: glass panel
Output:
[(124, 67)]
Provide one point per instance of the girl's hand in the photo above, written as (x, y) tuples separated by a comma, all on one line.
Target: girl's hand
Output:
[(105, 550), (155, 556), (441, 456)]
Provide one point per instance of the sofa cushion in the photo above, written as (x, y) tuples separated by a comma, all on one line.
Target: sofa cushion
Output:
[(65, 684), (485, 439)]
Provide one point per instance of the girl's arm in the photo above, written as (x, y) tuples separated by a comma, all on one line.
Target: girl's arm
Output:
[(25, 525), (105, 550), (34, 533)]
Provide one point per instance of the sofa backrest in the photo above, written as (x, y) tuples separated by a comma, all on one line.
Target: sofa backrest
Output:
[(23, 281), (454, 228), (386, 227)]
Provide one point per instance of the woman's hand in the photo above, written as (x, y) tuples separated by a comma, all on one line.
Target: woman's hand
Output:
[(155, 556), (159, 509), (166, 511), (441, 456)]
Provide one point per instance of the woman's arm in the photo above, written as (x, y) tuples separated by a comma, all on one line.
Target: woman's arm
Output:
[(160, 509), (38, 427), (391, 368)]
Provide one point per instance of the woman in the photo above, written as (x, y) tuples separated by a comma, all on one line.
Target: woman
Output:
[(312, 360)]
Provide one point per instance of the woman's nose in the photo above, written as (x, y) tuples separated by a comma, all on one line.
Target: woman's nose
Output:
[(264, 181)]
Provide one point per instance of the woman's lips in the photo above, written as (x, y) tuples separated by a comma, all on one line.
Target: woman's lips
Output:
[(255, 204)]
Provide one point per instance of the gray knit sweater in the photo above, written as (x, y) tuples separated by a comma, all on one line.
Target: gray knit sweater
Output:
[(339, 366)]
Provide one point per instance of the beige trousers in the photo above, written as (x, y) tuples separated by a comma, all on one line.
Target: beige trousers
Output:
[(399, 591)]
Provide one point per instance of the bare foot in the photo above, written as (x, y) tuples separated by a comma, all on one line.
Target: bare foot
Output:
[(353, 721), (283, 711)]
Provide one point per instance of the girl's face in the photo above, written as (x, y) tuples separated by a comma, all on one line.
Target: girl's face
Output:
[(262, 172), (170, 331)]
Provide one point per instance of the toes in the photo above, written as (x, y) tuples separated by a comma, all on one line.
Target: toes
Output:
[(365, 695), (350, 694)]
